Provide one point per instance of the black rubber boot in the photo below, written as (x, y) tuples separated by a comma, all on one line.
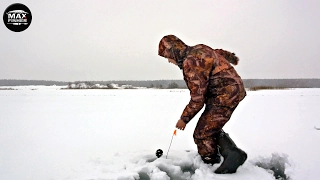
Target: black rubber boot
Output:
[(232, 155), (213, 159)]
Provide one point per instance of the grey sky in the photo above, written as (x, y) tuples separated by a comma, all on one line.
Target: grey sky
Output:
[(118, 39)]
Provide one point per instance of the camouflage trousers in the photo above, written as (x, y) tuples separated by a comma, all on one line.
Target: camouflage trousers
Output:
[(217, 113)]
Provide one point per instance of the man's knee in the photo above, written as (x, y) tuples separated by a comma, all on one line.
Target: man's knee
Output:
[(200, 135)]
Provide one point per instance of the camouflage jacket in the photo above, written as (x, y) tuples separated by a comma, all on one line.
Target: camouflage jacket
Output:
[(210, 77)]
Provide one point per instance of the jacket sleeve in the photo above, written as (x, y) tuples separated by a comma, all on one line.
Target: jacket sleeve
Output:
[(196, 74)]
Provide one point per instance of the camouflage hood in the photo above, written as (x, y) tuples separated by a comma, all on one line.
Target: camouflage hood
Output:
[(231, 57), (172, 47)]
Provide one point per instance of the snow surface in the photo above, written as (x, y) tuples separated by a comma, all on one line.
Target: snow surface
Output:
[(48, 133)]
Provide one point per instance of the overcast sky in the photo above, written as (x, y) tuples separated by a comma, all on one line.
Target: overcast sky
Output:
[(118, 39)]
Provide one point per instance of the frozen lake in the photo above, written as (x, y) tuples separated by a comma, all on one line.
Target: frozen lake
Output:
[(48, 133)]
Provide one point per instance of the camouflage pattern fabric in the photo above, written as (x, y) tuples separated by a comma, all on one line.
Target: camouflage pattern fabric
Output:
[(212, 82), (209, 127)]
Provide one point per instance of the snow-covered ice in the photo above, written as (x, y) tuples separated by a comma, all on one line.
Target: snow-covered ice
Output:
[(48, 133)]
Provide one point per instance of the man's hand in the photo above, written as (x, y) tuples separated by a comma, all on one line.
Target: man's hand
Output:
[(181, 125)]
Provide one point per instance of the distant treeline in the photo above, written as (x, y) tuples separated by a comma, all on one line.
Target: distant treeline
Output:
[(249, 83), (15, 82), (282, 83)]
